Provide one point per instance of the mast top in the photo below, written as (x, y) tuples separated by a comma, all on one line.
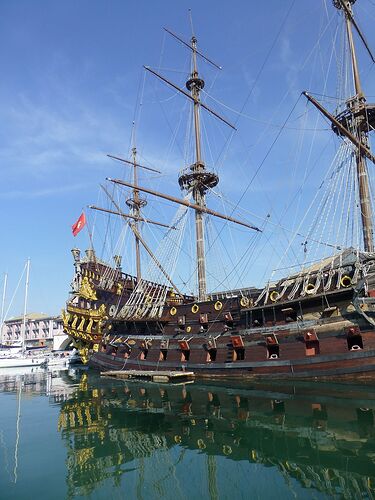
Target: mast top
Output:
[(338, 3)]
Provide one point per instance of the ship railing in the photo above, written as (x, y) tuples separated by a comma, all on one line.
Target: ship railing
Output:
[(232, 294)]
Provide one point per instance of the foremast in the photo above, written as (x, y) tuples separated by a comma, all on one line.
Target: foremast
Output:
[(135, 203)]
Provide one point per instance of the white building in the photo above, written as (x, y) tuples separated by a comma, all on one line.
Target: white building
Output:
[(41, 329)]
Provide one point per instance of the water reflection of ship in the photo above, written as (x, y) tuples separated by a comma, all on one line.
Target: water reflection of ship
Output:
[(324, 442)]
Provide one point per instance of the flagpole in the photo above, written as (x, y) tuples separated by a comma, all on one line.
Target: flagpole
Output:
[(90, 237)]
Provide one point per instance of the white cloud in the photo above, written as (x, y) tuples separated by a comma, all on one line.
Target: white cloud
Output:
[(40, 193)]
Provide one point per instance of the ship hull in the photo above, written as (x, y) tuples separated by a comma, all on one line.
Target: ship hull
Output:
[(326, 333), (336, 361), (337, 367)]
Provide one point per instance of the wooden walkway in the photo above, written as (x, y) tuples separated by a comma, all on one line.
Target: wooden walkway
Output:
[(154, 376)]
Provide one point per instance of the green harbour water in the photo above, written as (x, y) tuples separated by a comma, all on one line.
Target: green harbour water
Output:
[(71, 434)]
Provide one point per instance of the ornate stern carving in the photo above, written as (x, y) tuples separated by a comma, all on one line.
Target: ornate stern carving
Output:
[(65, 317), (119, 288), (85, 327), (86, 290)]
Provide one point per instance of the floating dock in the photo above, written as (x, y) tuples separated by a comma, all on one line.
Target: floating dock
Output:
[(155, 376)]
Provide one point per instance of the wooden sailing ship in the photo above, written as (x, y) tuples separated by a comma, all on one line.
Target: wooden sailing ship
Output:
[(317, 322)]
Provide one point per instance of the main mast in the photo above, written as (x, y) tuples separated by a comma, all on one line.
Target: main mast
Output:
[(196, 178), (358, 118)]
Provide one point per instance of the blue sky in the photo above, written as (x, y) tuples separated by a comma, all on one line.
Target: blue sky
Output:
[(71, 74)]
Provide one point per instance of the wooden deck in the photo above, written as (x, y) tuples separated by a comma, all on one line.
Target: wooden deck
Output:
[(155, 376)]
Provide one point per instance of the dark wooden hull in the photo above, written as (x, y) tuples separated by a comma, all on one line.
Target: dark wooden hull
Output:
[(335, 361)]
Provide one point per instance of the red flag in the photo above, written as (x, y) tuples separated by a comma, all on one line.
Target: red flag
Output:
[(80, 224)]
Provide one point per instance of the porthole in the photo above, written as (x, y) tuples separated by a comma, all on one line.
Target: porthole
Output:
[(274, 296), (244, 301)]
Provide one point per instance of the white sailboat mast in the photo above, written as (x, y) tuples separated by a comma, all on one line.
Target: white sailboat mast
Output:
[(2, 307), (23, 331)]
